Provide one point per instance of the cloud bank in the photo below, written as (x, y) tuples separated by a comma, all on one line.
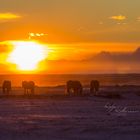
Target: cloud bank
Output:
[(117, 57), (103, 62)]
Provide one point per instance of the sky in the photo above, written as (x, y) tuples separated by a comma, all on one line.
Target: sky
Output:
[(76, 31)]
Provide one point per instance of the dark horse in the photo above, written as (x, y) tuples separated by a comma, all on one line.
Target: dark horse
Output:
[(28, 87), (94, 87), (74, 87), (6, 87)]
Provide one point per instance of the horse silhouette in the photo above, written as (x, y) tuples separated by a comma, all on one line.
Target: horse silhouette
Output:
[(29, 87), (74, 87), (94, 87), (6, 86)]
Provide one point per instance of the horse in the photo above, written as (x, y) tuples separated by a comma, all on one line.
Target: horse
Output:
[(74, 87), (6, 86), (94, 87), (28, 86)]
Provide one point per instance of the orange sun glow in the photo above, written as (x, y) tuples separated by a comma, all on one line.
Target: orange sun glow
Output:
[(27, 54)]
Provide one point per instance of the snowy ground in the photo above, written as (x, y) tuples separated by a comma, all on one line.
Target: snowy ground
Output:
[(70, 118)]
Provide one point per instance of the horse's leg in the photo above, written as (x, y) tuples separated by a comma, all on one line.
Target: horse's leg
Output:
[(94, 92), (24, 91), (27, 91), (68, 91), (8, 90), (33, 90), (3, 90)]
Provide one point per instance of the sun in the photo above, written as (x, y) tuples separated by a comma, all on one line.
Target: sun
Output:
[(27, 54)]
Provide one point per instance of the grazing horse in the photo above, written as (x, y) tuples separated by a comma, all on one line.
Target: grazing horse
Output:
[(74, 87), (94, 87), (6, 87), (28, 86)]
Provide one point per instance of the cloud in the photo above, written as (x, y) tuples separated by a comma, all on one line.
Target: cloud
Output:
[(8, 16), (109, 62), (119, 17), (36, 35), (103, 62), (117, 57)]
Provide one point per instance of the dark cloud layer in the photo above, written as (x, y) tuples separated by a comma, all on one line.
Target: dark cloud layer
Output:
[(116, 57)]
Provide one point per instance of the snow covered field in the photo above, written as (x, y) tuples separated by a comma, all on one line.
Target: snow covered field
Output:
[(69, 118)]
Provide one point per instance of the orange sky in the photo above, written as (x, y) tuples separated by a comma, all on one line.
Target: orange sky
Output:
[(78, 35)]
